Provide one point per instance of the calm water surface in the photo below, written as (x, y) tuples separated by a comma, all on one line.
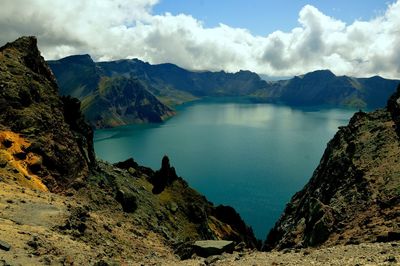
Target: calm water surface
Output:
[(253, 157)]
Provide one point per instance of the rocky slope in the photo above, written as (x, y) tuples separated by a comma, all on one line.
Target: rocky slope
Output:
[(354, 194), (53, 229), (107, 101), (61, 206), (120, 101), (44, 138)]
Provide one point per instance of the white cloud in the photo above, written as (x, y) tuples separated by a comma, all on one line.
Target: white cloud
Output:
[(127, 28)]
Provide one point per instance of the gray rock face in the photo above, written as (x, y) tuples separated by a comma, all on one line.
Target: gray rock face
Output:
[(206, 248)]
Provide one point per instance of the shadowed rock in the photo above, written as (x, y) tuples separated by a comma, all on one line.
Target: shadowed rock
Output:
[(127, 200), (5, 246), (206, 248)]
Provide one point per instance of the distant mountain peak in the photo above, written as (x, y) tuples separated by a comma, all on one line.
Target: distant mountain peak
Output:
[(324, 73), (78, 59)]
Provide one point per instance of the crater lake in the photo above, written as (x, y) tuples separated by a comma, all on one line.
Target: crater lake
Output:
[(253, 157)]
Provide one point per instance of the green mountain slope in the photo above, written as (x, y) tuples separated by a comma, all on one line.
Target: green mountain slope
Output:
[(107, 102), (119, 101)]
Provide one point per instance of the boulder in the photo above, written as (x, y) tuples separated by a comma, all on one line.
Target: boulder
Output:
[(5, 246), (206, 248), (127, 200)]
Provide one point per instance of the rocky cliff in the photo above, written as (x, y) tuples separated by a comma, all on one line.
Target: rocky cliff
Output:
[(354, 194), (41, 134)]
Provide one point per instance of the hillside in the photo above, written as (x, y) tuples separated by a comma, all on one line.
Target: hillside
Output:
[(354, 194), (120, 101), (322, 87), (61, 206), (107, 101)]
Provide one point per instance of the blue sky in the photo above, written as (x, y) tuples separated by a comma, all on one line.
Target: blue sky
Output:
[(262, 17), (274, 38)]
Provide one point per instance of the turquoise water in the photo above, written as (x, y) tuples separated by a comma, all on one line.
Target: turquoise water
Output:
[(253, 157)]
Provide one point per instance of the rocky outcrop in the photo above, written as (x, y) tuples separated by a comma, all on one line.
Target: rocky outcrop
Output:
[(163, 177), (353, 195), (53, 129)]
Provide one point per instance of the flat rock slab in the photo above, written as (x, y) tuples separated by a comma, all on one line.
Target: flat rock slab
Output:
[(5, 246), (206, 248)]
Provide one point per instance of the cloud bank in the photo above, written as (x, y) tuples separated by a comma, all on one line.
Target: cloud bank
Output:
[(127, 29)]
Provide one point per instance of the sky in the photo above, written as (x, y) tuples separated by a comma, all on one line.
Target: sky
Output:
[(274, 38), (262, 17)]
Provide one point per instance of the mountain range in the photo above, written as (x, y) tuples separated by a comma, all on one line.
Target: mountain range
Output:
[(129, 90), (322, 87)]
